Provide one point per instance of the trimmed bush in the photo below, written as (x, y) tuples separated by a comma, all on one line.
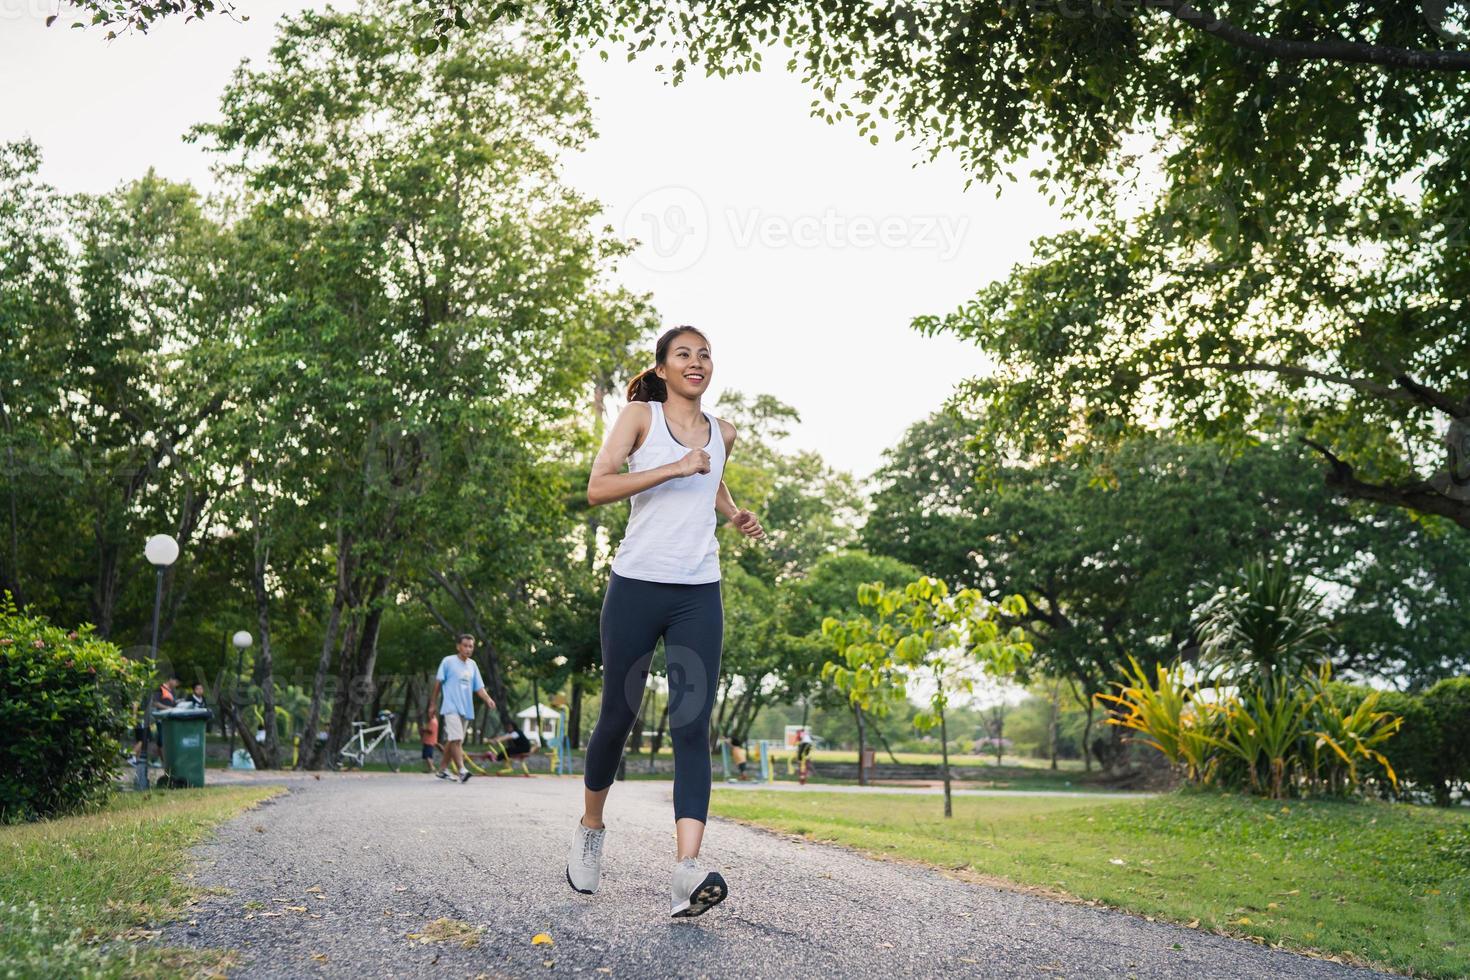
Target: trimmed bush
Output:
[(65, 706), (1448, 706)]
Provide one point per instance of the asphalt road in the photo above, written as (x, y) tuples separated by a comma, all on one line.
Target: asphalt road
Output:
[(334, 879)]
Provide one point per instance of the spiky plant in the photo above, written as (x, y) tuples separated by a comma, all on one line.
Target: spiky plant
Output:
[(1266, 628)]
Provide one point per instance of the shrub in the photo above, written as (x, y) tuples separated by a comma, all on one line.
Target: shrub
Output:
[(1448, 706), (1431, 753), (65, 705), (1306, 736)]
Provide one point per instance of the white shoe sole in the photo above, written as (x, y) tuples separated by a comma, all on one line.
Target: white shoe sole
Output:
[(579, 891), (711, 892)]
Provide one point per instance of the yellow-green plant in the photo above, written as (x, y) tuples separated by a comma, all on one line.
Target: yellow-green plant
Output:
[(1267, 724), (1345, 735), (1170, 715)]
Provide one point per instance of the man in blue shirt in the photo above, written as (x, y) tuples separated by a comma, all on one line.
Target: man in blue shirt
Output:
[(459, 681)]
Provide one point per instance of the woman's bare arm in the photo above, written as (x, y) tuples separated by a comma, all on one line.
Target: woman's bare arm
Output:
[(608, 483), (745, 522)]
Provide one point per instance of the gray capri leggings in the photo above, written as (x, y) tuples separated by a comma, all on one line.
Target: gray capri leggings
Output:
[(691, 621)]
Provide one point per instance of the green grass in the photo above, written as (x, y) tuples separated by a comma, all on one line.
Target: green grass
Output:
[(1381, 883), (78, 894)]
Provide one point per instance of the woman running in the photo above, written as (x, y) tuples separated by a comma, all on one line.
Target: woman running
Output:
[(665, 584)]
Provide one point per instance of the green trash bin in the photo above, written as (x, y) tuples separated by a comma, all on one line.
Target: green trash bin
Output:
[(183, 745)]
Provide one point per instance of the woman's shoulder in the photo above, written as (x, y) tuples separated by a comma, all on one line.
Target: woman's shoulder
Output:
[(727, 431)]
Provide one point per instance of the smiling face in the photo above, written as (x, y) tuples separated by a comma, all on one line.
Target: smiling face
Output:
[(687, 367)]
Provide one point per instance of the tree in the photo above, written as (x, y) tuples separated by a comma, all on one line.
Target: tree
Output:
[(1114, 548), (1259, 276), (1073, 97), (422, 320), (111, 328), (922, 633)]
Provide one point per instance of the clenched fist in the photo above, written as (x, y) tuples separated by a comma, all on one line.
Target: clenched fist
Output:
[(745, 522), (695, 461)]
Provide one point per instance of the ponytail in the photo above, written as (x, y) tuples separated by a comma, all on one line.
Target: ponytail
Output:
[(647, 387)]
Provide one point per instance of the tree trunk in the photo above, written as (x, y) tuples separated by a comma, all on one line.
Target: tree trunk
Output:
[(10, 580), (264, 667), (495, 681), (247, 737), (536, 706), (401, 722), (1086, 730), (265, 670), (313, 757), (658, 735), (944, 760), (718, 728), (574, 716), (857, 714), (358, 662), (1056, 706)]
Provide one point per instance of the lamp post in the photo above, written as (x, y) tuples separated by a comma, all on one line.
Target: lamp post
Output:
[(161, 551), (241, 641)]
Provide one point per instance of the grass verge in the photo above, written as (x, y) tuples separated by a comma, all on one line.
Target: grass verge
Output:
[(1371, 882), (81, 895)]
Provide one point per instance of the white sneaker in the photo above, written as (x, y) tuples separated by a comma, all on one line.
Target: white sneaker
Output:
[(584, 858), (695, 892)]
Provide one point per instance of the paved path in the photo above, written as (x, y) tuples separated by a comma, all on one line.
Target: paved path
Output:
[(331, 879)]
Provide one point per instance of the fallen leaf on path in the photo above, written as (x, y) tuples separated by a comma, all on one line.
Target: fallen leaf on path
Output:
[(294, 908), (542, 939), (314, 890), (548, 963), (1194, 924), (319, 957), (448, 930), (604, 969), (400, 888)]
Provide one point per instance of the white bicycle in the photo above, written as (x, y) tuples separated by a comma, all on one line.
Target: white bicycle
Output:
[(365, 738)]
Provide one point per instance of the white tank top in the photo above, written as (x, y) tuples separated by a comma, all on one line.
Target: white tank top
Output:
[(671, 533)]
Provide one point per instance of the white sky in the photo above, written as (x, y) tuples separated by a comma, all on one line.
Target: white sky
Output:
[(799, 247)]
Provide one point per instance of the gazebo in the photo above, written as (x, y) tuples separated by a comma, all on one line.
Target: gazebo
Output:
[(550, 717)]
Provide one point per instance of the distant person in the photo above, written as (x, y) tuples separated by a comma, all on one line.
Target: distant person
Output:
[(737, 756), (429, 736), (803, 752), (459, 681), (164, 699), (511, 742), (140, 733), (665, 584), (195, 698)]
